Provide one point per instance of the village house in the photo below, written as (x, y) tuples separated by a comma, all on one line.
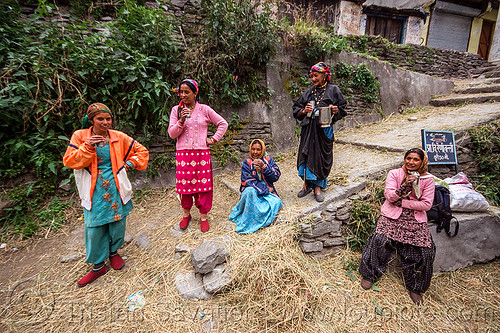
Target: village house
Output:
[(461, 25)]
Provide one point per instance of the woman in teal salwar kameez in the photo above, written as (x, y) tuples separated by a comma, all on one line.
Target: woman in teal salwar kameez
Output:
[(100, 158), (107, 218)]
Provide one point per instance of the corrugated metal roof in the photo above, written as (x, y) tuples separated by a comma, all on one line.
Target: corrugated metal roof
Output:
[(398, 4)]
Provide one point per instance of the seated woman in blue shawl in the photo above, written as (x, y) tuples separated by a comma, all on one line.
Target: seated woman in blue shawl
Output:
[(259, 203)]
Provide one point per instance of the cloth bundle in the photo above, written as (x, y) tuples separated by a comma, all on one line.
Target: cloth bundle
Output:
[(463, 197)]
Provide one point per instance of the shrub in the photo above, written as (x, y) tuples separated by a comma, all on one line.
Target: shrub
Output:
[(357, 80), (486, 152), (364, 214), (52, 73), (237, 40), (316, 41)]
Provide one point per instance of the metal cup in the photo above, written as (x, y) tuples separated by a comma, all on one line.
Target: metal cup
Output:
[(325, 116), (309, 114)]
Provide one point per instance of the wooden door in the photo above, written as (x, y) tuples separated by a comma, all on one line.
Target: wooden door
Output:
[(390, 29), (485, 39)]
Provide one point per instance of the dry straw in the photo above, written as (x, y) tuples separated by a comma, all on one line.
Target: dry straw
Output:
[(276, 288)]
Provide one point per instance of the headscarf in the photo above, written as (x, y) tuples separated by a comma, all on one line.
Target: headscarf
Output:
[(94, 109), (261, 144), (422, 170), (420, 173), (321, 67), (263, 153), (193, 85)]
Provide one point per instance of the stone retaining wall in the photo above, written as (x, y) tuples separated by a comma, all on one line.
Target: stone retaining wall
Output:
[(422, 59), (321, 232)]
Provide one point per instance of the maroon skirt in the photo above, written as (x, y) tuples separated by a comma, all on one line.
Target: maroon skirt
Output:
[(194, 171)]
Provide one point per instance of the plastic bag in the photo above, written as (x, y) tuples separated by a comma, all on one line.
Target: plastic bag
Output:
[(463, 197), (136, 301)]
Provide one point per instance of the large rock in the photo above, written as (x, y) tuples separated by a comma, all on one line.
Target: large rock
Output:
[(190, 286), (324, 228), (478, 241), (320, 228), (327, 252), (311, 247), (143, 241), (332, 240), (182, 248), (209, 254), (218, 279)]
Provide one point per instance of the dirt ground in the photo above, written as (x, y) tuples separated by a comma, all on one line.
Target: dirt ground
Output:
[(39, 293)]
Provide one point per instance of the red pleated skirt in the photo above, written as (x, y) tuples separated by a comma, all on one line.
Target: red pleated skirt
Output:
[(194, 171)]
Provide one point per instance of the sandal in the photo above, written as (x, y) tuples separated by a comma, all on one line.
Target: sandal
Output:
[(184, 222), (319, 197), (302, 193)]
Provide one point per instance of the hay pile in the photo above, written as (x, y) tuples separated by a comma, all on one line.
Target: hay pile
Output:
[(276, 288)]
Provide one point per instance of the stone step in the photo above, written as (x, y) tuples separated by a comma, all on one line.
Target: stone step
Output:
[(334, 194), (456, 99), (473, 83), (486, 68), (477, 241), (492, 73), (479, 89)]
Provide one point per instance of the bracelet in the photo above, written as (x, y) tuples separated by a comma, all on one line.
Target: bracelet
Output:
[(180, 123)]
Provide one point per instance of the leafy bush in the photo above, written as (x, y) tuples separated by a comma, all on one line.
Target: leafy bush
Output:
[(30, 212), (296, 83), (486, 152), (364, 214), (364, 219), (316, 41), (237, 40), (50, 74), (160, 162), (357, 80)]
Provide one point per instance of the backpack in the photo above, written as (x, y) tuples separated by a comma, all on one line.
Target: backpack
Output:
[(440, 213)]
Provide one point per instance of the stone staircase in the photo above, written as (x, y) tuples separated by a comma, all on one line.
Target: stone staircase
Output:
[(482, 87)]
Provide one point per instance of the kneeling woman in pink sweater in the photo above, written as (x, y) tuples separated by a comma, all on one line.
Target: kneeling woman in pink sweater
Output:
[(189, 125), (402, 227)]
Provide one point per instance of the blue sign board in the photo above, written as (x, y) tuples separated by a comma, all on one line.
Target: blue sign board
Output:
[(440, 147)]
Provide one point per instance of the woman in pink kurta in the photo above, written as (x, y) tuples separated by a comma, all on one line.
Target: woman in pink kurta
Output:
[(402, 227), (189, 125)]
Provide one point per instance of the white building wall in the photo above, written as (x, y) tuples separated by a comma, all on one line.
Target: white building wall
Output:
[(413, 30), (349, 22)]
